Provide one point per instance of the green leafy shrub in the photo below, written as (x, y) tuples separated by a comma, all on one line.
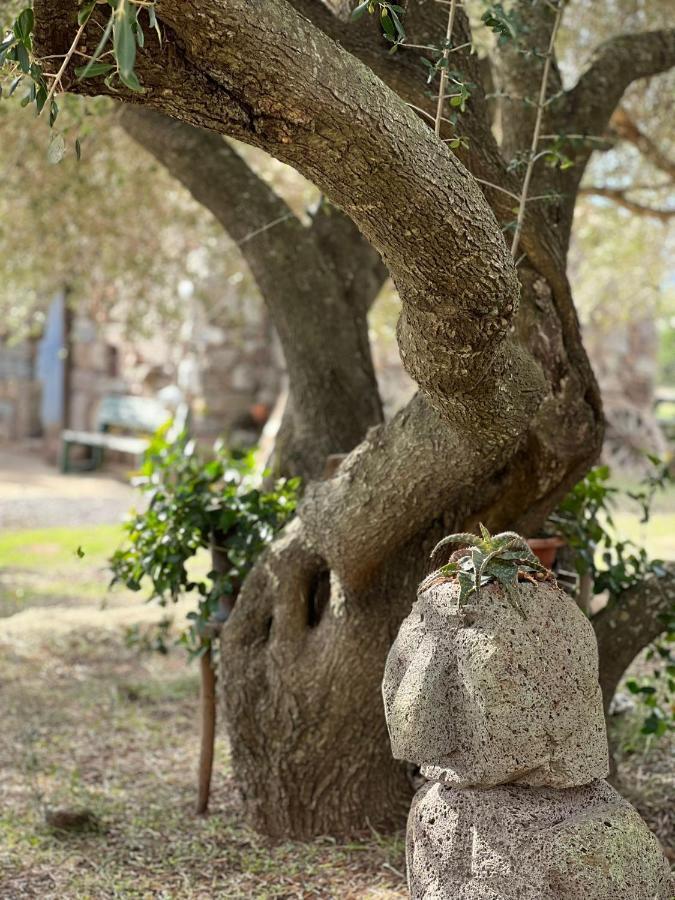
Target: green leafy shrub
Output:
[(121, 35), (615, 565), (584, 519), (194, 504)]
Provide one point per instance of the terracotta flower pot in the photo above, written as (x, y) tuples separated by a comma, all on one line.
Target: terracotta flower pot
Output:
[(260, 413), (546, 549)]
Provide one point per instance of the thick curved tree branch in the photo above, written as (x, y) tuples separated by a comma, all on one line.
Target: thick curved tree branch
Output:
[(402, 72), (318, 311), (613, 67), (341, 126), (630, 624), (396, 482), (425, 24), (621, 198), (260, 72), (518, 420), (414, 451)]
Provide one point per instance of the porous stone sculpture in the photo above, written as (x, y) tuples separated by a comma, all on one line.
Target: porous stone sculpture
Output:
[(497, 699), (480, 694), (584, 843)]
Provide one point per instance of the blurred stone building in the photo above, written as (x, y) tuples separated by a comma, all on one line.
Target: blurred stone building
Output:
[(227, 364), (624, 355), (19, 392)]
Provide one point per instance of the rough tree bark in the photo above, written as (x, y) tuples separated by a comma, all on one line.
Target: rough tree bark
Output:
[(509, 416), (636, 619)]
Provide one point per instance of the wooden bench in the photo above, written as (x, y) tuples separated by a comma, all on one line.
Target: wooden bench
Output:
[(140, 415)]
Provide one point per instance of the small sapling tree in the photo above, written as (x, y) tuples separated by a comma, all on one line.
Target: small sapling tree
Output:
[(193, 505)]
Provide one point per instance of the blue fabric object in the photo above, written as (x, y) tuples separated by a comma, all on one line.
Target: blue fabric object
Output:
[(50, 362)]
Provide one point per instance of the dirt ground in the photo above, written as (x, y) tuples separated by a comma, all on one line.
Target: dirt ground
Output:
[(91, 718), (35, 495), (90, 721)]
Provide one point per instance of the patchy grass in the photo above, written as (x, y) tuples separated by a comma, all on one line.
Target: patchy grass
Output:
[(88, 722), (41, 547), (50, 567), (55, 566)]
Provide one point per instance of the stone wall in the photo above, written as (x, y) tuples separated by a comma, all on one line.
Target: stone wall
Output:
[(241, 369), (19, 392), (624, 355)]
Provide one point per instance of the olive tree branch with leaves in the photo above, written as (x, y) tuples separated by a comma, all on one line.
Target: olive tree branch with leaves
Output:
[(534, 146), (444, 69), (507, 27), (64, 65), (122, 31)]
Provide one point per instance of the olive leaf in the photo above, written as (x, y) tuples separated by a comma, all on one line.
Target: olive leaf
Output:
[(56, 149)]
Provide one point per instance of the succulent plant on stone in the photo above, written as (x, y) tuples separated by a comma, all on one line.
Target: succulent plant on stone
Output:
[(505, 558)]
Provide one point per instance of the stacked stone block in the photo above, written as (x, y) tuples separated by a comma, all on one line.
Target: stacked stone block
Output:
[(502, 711)]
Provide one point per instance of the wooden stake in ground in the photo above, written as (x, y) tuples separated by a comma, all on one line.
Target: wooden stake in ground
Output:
[(207, 691), (207, 706)]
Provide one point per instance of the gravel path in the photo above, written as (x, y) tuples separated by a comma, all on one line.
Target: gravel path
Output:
[(35, 495)]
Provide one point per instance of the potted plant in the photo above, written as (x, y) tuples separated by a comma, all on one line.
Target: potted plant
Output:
[(545, 547)]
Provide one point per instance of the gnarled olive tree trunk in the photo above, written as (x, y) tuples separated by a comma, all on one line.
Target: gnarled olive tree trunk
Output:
[(308, 641), (508, 416)]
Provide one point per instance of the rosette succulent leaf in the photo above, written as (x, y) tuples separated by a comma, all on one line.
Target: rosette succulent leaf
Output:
[(505, 558)]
